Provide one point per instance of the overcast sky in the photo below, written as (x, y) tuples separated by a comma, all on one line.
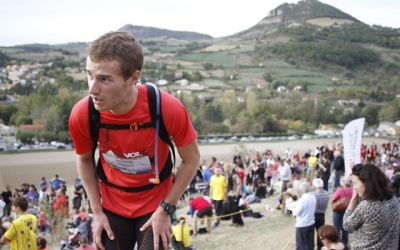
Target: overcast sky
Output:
[(63, 21)]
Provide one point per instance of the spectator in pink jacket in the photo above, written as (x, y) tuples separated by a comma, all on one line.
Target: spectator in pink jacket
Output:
[(344, 190)]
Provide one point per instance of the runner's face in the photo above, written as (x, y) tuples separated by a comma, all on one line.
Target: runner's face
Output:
[(110, 91)]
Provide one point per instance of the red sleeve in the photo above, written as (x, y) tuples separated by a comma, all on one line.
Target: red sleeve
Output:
[(177, 120), (79, 127)]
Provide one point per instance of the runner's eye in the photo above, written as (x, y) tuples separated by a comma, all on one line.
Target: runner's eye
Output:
[(89, 75)]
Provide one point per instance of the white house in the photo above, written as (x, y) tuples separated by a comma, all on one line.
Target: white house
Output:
[(162, 82), (281, 89), (389, 127), (182, 82)]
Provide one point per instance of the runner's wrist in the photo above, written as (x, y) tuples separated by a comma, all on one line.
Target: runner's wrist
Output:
[(97, 211)]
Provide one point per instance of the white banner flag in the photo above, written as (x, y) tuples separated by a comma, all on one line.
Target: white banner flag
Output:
[(352, 134)]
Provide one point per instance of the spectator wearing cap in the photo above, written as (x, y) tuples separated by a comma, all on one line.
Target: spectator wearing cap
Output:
[(305, 218), (322, 199)]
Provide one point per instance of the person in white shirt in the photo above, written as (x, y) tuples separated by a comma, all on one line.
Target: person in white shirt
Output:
[(2, 205), (384, 157), (285, 172), (289, 154), (305, 219)]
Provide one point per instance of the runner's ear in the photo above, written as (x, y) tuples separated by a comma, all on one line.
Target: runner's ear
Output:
[(135, 78)]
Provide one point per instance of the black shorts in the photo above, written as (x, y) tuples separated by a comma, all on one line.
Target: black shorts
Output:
[(218, 206), (127, 233), (205, 212)]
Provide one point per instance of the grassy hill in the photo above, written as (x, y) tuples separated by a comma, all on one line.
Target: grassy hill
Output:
[(311, 46)]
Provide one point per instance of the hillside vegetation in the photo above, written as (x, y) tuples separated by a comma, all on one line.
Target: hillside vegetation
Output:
[(284, 75)]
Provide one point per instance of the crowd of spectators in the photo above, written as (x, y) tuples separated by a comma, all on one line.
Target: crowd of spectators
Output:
[(58, 214), (318, 174), (304, 184)]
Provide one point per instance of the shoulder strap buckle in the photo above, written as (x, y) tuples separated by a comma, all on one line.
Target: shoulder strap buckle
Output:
[(134, 126)]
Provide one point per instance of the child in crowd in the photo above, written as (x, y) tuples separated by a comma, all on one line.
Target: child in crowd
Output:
[(84, 244), (41, 243), (42, 219), (389, 171)]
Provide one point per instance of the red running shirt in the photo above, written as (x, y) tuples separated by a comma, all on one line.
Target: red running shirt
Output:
[(119, 145)]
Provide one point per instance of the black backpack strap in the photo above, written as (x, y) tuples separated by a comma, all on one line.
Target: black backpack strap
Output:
[(94, 126), (133, 126), (153, 102)]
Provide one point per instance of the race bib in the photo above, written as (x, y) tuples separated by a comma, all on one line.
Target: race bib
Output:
[(129, 163)]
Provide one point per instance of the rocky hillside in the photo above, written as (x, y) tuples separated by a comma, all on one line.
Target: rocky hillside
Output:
[(293, 15)]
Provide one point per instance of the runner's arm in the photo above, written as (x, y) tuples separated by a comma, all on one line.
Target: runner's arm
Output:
[(86, 171), (190, 156), (160, 221)]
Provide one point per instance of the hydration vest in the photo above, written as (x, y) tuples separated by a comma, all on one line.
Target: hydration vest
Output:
[(154, 101)]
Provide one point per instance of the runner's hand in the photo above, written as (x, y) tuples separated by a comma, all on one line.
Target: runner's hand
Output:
[(161, 224), (101, 223)]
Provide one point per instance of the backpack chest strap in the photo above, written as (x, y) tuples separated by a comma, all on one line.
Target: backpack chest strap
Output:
[(133, 126)]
